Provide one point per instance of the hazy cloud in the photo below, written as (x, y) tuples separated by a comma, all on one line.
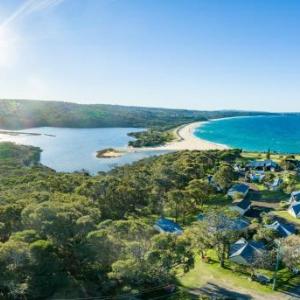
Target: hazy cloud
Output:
[(10, 39), (27, 8)]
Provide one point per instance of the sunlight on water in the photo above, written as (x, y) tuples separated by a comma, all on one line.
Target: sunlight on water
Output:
[(68, 149)]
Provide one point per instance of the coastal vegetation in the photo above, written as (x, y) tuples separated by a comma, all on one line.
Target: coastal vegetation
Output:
[(77, 235), (151, 138), (108, 153), (72, 235), (19, 114), (19, 155)]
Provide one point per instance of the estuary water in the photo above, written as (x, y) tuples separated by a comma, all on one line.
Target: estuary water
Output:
[(69, 149), (279, 133)]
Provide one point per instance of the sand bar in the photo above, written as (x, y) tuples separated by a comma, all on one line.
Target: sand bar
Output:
[(186, 140)]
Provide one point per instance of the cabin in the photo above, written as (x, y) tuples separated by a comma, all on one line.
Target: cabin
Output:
[(239, 168), (241, 206), (263, 165), (283, 230), (239, 190), (257, 176), (167, 226), (240, 224), (295, 197), (245, 252), (294, 210), (276, 184)]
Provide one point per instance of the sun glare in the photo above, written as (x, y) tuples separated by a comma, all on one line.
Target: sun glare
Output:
[(8, 44)]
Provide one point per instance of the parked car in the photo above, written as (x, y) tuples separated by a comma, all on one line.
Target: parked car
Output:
[(263, 279)]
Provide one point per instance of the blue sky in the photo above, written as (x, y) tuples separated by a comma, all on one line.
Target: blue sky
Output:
[(225, 54)]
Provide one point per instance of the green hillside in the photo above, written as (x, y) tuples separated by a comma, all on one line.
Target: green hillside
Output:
[(18, 114), (19, 154)]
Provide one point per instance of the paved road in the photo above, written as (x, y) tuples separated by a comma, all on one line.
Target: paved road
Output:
[(215, 290)]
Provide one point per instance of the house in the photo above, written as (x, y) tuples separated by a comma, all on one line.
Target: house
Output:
[(239, 190), (263, 165), (257, 176), (241, 206), (240, 224), (282, 229), (245, 252), (239, 168), (294, 209), (295, 197), (167, 226), (276, 184)]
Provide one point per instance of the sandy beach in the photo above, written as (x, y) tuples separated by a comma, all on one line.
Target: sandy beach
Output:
[(186, 140)]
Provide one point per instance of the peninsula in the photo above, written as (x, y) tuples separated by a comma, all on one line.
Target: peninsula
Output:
[(186, 140)]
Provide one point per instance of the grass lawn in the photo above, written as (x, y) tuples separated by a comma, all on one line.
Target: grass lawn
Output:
[(234, 279), (204, 273), (287, 281), (285, 215), (217, 201), (261, 156), (267, 200), (297, 186)]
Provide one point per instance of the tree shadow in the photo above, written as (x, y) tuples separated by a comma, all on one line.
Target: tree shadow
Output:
[(214, 291), (288, 287), (256, 211)]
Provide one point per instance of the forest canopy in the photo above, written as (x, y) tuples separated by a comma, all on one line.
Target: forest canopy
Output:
[(75, 235), (19, 114)]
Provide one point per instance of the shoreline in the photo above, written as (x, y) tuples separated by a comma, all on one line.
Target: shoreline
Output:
[(186, 140)]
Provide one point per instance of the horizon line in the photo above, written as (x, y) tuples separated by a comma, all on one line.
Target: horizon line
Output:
[(153, 107)]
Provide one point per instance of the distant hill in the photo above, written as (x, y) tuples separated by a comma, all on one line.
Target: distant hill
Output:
[(20, 114)]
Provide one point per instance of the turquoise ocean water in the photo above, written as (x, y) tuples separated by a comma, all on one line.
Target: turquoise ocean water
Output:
[(277, 133)]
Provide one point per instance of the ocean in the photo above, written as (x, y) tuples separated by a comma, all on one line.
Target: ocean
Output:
[(68, 150), (278, 133)]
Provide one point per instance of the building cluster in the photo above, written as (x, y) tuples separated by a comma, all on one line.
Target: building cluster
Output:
[(244, 251)]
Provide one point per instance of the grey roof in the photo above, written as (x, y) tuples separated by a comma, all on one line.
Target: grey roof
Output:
[(240, 224), (167, 225), (277, 181), (283, 230), (243, 204), (268, 163), (248, 250), (296, 208), (257, 176), (239, 188), (296, 195)]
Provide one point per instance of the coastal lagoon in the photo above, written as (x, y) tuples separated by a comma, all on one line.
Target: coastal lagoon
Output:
[(278, 133), (73, 149)]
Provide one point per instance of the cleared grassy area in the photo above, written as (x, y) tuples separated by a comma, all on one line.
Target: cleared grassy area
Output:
[(204, 273), (286, 216), (297, 186), (287, 281), (259, 155), (217, 201), (236, 279), (263, 194)]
